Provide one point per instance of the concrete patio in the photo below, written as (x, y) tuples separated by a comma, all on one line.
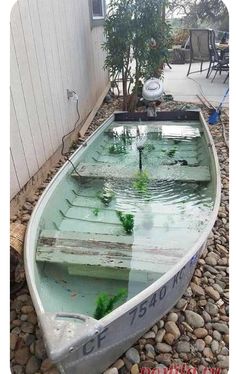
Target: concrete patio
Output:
[(185, 88)]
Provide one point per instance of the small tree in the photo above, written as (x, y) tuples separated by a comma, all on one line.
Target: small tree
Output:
[(135, 28)]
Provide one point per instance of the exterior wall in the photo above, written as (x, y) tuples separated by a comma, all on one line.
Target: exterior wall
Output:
[(53, 48)]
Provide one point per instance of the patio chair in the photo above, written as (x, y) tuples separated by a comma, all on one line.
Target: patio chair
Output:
[(200, 48), (219, 59)]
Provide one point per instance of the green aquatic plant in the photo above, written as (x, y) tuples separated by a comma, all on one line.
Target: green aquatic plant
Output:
[(127, 221), (105, 303), (141, 182), (171, 152), (149, 147), (116, 149), (106, 195), (96, 211)]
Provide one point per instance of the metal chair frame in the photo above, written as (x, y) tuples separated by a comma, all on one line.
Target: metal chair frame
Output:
[(196, 54), (219, 62)]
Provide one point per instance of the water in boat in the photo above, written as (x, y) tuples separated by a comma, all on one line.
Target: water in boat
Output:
[(141, 197)]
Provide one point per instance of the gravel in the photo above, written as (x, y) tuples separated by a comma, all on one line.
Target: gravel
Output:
[(195, 332)]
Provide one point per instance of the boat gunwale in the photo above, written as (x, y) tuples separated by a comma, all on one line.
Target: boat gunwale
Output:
[(29, 253)]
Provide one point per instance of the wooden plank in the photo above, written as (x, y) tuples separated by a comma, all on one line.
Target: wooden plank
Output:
[(35, 77), (161, 172), (88, 236), (100, 244), (17, 149), (43, 73), (60, 86), (61, 39), (14, 183), (49, 50), (27, 87), (21, 114), (104, 258)]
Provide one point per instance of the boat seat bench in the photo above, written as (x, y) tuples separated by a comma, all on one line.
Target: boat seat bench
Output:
[(161, 172), (105, 256)]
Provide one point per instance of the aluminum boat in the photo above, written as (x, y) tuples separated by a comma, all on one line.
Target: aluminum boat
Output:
[(131, 211)]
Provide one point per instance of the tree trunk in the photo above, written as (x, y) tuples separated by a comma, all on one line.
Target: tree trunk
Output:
[(124, 85)]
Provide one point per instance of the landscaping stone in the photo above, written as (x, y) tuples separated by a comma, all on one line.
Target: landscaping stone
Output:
[(134, 369), (212, 293), (194, 319), (22, 355), (221, 327), (183, 347), (133, 355), (200, 332), (172, 328), (33, 365), (163, 348)]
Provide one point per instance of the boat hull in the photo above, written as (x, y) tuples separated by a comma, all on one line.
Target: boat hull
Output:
[(99, 343), (100, 351)]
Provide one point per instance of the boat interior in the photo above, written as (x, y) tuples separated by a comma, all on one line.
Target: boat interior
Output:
[(141, 195)]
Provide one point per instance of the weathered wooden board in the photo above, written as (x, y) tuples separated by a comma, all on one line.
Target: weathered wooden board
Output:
[(14, 183), (162, 172), (22, 56), (105, 256), (100, 258)]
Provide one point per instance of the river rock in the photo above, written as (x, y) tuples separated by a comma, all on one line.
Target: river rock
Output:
[(210, 260), (13, 341), (197, 290), (221, 327), (208, 339), (217, 335), (150, 349), (224, 351), (226, 339), (212, 309), (46, 365), (149, 335), (215, 346), (26, 309), (22, 355), (207, 352), (163, 348), (160, 335), (194, 319), (169, 338), (200, 332), (133, 355), (134, 369), (212, 293), (183, 347), (224, 364), (33, 365), (173, 317), (164, 358), (27, 327), (199, 345), (218, 288), (181, 303), (119, 364), (171, 327), (40, 351), (17, 369)]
